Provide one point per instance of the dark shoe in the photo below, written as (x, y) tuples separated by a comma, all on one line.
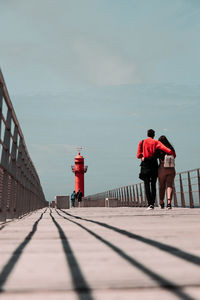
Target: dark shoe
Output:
[(162, 205), (150, 207), (169, 206)]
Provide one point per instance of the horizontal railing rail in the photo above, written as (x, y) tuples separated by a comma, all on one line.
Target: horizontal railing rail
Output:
[(20, 188), (186, 193)]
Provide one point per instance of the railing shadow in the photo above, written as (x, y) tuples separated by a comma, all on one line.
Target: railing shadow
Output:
[(163, 282), (80, 285), (161, 246), (16, 255), (3, 224)]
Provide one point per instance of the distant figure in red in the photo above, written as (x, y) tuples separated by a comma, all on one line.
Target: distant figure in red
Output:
[(147, 153), (166, 173)]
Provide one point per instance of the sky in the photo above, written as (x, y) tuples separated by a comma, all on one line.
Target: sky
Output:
[(98, 74)]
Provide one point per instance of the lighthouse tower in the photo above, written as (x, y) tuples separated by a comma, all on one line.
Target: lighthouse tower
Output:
[(79, 169)]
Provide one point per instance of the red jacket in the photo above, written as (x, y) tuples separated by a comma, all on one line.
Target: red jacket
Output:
[(150, 146)]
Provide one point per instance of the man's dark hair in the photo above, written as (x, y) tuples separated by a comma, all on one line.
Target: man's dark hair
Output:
[(151, 133)]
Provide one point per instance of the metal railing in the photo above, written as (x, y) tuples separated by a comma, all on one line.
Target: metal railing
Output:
[(20, 188), (186, 192)]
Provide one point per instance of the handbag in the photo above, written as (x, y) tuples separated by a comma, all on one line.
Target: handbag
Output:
[(145, 170), (148, 166), (169, 161), (144, 167)]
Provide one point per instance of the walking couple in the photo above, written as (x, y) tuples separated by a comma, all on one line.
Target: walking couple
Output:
[(149, 151)]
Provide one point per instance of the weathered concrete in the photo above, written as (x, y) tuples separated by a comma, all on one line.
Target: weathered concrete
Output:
[(111, 202), (62, 202), (102, 253)]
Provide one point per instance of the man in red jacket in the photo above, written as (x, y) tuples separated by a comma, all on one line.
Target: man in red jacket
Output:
[(147, 153)]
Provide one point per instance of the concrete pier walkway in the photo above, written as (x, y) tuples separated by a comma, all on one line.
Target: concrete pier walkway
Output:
[(101, 253)]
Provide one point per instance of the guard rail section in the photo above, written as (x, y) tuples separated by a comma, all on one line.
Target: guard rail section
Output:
[(20, 188)]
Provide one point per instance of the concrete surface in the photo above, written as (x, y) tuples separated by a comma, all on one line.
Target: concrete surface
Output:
[(101, 253)]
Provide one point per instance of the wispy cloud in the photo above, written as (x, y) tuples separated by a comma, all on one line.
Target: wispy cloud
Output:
[(102, 65), (53, 149)]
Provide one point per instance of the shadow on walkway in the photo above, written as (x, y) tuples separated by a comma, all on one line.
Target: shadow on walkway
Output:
[(16, 255), (80, 285), (161, 246), (164, 283)]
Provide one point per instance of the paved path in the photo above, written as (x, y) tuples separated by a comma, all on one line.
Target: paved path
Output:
[(101, 254)]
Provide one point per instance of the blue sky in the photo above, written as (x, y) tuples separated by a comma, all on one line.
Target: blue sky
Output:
[(98, 74)]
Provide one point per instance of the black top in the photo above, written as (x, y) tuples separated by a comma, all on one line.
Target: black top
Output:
[(161, 155)]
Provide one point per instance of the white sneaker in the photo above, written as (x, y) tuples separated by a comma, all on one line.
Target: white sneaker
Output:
[(150, 207)]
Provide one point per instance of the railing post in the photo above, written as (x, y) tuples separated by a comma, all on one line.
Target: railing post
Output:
[(2, 209), (12, 170), (5, 165), (145, 197), (198, 176), (181, 191), (134, 197), (175, 196), (137, 196), (190, 191), (122, 193), (141, 195), (125, 196), (127, 193), (120, 198), (156, 198), (131, 195)]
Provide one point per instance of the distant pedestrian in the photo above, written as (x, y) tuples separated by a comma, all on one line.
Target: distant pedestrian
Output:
[(73, 197), (149, 166), (166, 173), (79, 197)]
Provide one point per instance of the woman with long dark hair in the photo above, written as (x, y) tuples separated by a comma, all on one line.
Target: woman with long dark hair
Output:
[(166, 174)]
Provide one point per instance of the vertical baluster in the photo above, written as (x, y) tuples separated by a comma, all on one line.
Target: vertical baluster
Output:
[(116, 193), (131, 195), (145, 197), (118, 198), (121, 197), (2, 204), (5, 164), (156, 198), (127, 193), (141, 195), (134, 197), (124, 196), (12, 170), (181, 191), (175, 196), (20, 179), (190, 191), (137, 196), (198, 176), (15, 199)]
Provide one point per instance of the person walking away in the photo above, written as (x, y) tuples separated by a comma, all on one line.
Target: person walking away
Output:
[(79, 197), (73, 196), (166, 173), (147, 152)]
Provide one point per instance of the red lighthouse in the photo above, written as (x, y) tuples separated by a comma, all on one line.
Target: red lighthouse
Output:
[(79, 169)]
